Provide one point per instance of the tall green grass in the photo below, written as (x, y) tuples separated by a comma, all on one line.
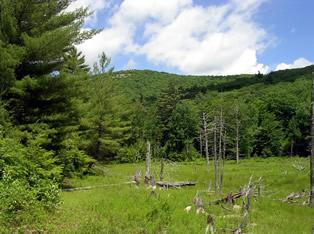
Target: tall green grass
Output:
[(127, 209)]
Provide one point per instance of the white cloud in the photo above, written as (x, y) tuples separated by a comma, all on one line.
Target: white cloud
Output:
[(110, 41), (298, 63), (94, 6), (220, 39)]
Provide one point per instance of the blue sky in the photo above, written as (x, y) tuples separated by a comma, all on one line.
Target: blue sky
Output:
[(202, 36), (290, 21)]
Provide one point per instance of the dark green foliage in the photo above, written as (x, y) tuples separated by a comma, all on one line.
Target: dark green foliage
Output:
[(102, 65), (133, 153), (106, 123), (273, 109), (74, 62), (166, 105), (43, 31), (75, 162), (28, 182), (183, 129), (36, 38), (268, 137)]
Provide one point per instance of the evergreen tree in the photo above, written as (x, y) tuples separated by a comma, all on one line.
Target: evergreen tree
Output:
[(166, 104), (102, 65), (268, 139), (74, 62), (106, 124), (43, 31), (183, 128), (35, 39)]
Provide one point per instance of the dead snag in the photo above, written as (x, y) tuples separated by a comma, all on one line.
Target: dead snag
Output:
[(162, 169), (201, 143), (148, 164), (237, 115), (136, 178), (153, 185), (210, 228), (206, 136), (216, 162), (199, 204)]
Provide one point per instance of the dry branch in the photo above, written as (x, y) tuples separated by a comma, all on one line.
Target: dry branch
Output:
[(292, 197), (165, 184)]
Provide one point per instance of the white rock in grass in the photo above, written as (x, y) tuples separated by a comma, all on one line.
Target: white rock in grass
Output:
[(200, 210), (236, 208), (188, 209)]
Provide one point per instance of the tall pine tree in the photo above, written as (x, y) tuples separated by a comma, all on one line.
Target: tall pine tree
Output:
[(35, 40)]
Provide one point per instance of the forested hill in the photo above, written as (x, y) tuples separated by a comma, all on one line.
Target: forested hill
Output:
[(149, 83), (271, 113)]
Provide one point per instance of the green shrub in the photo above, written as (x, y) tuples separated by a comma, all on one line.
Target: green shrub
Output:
[(28, 184), (75, 162), (23, 204), (133, 153)]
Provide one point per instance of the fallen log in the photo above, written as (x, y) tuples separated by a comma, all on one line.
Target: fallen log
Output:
[(165, 184), (292, 197), (94, 187)]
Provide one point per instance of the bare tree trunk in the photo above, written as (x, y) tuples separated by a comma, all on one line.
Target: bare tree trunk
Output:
[(216, 159), (148, 163), (223, 159), (206, 137), (312, 146), (162, 169), (220, 149)]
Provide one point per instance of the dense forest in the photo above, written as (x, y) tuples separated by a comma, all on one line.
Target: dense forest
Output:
[(269, 113), (59, 118)]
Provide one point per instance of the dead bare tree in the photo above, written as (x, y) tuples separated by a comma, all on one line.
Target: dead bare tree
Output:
[(148, 163), (162, 169), (219, 130), (216, 163), (222, 163), (220, 158), (205, 131), (136, 178), (312, 147), (219, 147)]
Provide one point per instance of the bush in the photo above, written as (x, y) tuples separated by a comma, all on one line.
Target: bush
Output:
[(133, 153), (22, 204), (75, 162), (28, 184)]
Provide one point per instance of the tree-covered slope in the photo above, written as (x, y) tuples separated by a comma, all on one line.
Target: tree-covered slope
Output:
[(273, 109), (149, 83)]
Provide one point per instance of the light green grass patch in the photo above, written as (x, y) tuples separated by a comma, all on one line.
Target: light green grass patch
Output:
[(127, 209)]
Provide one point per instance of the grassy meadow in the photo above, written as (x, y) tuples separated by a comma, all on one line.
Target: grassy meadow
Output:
[(124, 208)]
